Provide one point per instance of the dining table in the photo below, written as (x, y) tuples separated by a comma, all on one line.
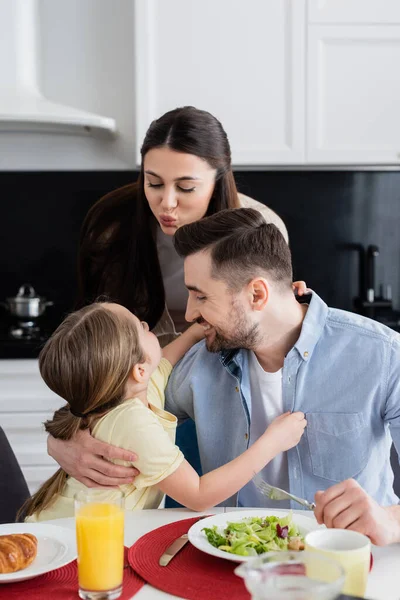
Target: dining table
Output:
[(383, 580)]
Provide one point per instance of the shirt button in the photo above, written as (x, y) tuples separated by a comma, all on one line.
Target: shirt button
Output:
[(305, 354), (236, 389), (246, 436)]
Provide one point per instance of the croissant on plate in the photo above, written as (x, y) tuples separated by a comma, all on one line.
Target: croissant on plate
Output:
[(17, 551)]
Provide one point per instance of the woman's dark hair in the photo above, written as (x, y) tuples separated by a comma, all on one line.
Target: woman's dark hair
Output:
[(242, 246), (118, 253)]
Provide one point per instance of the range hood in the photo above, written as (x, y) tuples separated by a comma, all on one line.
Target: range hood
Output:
[(23, 107)]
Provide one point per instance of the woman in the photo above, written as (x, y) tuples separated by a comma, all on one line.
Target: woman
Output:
[(126, 249)]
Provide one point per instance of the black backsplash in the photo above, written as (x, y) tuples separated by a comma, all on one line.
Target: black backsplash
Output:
[(324, 212), (41, 215)]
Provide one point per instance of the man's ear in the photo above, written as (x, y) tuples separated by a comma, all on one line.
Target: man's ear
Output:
[(140, 372), (259, 293)]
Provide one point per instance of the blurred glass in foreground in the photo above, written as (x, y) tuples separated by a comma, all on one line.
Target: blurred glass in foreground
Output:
[(292, 576)]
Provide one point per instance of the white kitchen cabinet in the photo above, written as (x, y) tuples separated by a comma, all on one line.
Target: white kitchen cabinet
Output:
[(353, 95), (354, 11), (25, 403), (242, 61), (80, 54), (292, 83)]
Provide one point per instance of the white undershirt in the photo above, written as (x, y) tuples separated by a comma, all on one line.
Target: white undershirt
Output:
[(266, 405)]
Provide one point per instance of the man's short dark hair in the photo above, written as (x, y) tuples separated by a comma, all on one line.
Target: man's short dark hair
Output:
[(242, 246)]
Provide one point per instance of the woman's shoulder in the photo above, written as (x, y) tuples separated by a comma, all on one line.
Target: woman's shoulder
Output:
[(269, 215)]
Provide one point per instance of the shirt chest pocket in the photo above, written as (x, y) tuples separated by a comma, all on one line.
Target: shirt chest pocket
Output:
[(338, 444)]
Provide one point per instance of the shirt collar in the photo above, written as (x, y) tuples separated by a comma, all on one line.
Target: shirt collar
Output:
[(313, 325), (227, 356), (311, 330)]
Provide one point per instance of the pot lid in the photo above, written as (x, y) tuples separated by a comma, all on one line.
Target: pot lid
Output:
[(26, 293)]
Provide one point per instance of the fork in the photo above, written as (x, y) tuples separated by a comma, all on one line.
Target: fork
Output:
[(275, 493)]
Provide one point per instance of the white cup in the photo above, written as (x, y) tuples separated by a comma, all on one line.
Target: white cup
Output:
[(350, 549)]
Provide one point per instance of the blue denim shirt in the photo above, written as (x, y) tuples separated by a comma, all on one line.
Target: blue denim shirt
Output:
[(343, 373)]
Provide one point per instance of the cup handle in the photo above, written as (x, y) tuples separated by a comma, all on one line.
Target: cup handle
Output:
[(371, 562)]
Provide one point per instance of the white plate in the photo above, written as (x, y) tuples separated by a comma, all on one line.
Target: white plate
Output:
[(56, 548), (198, 538)]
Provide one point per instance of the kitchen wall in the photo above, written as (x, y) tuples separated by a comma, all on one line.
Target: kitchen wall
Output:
[(41, 214)]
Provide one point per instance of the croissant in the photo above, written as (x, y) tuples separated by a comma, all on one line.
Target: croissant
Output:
[(17, 551)]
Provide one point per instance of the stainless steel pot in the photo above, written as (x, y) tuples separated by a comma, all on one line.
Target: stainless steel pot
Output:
[(26, 304)]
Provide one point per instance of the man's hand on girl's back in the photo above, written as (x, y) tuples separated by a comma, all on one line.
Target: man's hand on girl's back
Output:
[(88, 460)]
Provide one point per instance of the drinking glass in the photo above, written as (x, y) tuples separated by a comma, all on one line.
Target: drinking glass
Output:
[(100, 541), (292, 576)]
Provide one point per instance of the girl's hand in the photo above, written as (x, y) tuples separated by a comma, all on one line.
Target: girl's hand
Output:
[(286, 430), (300, 288), (197, 331)]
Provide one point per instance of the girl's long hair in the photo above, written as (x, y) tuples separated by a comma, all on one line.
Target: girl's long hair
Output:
[(87, 362), (118, 252)]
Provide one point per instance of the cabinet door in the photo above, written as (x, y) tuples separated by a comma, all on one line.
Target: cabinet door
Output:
[(354, 11), (25, 404), (353, 95), (242, 61)]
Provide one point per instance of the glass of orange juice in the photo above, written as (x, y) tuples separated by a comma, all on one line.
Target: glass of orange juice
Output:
[(100, 540)]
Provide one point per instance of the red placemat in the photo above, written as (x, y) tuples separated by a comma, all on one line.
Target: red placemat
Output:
[(191, 574), (63, 584)]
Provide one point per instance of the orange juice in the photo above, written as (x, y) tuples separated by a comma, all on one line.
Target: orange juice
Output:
[(100, 540)]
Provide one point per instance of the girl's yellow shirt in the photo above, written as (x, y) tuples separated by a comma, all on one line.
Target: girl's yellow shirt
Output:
[(147, 431)]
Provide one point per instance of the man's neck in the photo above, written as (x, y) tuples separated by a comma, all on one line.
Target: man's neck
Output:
[(281, 335)]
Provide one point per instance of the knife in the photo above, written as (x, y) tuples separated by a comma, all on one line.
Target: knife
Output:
[(173, 549), (176, 545)]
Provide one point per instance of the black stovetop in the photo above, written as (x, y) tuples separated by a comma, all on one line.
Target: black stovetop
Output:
[(11, 347)]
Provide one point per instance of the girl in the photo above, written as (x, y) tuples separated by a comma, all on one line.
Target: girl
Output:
[(111, 371)]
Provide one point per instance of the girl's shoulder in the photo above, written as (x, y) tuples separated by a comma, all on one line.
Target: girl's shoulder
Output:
[(130, 405), (129, 414)]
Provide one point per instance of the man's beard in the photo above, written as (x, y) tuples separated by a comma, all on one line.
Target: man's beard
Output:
[(245, 335)]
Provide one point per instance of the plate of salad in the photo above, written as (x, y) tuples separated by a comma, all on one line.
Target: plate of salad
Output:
[(243, 534)]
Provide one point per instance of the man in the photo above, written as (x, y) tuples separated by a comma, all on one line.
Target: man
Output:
[(340, 369)]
